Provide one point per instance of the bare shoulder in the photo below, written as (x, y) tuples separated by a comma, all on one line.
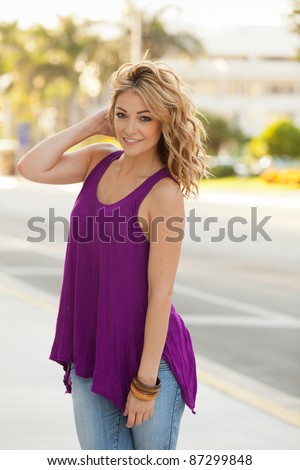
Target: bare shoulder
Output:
[(166, 197), (99, 151)]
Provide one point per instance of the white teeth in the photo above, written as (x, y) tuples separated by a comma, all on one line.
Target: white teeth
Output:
[(130, 140)]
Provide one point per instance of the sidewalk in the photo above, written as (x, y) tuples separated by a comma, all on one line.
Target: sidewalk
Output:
[(35, 412)]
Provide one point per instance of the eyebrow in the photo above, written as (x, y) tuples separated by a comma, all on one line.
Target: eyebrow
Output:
[(140, 112)]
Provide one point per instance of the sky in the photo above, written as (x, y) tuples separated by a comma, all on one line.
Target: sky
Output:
[(208, 13)]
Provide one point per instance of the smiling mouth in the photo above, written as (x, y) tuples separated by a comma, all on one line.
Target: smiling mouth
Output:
[(131, 141)]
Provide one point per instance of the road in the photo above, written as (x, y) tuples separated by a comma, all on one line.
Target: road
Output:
[(239, 299)]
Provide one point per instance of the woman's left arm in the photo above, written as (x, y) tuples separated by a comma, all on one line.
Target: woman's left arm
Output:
[(166, 233)]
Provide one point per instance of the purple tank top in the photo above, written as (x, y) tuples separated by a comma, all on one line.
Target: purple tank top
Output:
[(104, 296)]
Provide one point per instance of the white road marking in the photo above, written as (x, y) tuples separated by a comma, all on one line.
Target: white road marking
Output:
[(237, 305), (33, 271), (239, 199), (235, 321), (225, 380), (56, 251)]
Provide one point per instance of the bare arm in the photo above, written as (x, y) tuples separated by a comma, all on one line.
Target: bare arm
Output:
[(49, 161), (165, 247), (162, 266)]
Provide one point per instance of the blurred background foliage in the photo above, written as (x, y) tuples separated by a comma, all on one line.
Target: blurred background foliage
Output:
[(65, 70), (51, 78)]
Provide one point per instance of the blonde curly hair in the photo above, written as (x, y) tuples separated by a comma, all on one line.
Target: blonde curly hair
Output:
[(166, 96)]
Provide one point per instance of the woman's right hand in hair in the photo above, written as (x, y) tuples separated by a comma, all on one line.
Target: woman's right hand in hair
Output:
[(50, 162), (101, 123)]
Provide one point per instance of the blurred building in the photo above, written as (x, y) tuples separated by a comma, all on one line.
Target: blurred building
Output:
[(248, 74)]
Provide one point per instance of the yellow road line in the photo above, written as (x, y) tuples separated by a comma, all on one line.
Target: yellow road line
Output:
[(229, 388), (251, 398), (27, 297)]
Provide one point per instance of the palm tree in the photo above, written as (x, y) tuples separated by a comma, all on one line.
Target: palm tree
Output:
[(44, 69), (155, 37), (294, 16), (13, 58), (67, 67), (68, 64), (12, 48), (293, 20)]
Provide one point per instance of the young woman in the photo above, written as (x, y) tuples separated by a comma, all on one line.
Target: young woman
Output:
[(127, 354)]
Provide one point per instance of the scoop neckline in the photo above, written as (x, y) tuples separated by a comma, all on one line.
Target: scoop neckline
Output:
[(128, 195)]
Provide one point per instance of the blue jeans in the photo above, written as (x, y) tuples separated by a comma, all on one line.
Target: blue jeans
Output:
[(101, 425)]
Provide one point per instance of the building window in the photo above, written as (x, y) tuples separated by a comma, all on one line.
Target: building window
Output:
[(207, 87), (279, 89), (256, 88)]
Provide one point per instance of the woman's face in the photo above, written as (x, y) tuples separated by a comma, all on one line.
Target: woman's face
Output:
[(137, 130)]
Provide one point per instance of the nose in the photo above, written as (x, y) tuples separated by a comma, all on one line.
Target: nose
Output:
[(131, 128)]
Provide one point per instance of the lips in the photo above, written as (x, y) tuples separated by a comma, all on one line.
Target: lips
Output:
[(131, 141)]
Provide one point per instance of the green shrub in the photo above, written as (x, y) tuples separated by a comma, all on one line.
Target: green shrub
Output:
[(221, 171)]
